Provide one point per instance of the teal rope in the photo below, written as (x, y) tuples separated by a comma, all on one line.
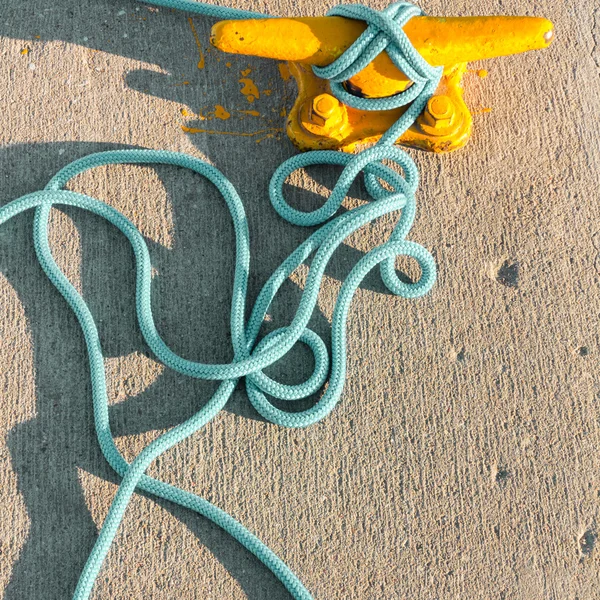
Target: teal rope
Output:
[(390, 189)]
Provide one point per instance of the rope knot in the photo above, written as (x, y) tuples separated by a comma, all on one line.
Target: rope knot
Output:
[(384, 34)]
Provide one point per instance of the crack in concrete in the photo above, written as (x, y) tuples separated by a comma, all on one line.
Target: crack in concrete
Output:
[(596, 36)]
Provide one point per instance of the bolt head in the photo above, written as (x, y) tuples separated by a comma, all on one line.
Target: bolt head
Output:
[(439, 112), (325, 105)]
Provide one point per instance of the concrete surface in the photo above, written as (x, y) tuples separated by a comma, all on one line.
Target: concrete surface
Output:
[(464, 458)]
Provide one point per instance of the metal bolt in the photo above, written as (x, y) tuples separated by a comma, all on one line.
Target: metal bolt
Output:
[(439, 112), (325, 108), (325, 105)]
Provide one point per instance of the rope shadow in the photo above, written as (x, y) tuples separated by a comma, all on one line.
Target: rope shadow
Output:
[(47, 451)]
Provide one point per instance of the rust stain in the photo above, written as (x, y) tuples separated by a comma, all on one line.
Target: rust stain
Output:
[(201, 62)]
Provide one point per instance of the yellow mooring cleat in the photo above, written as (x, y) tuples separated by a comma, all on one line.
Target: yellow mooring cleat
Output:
[(319, 121)]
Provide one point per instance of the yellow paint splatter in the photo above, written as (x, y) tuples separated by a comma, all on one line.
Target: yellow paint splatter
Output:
[(37, 37), (203, 117), (246, 72), (283, 112), (487, 110), (266, 137), (197, 39), (267, 92), (284, 71), (249, 90), (228, 65), (253, 113), (221, 113), (188, 113), (265, 132), (25, 50), (483, 73), (182, 83)]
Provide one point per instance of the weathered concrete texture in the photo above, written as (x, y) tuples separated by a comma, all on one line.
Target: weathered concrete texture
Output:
[(463, 459)]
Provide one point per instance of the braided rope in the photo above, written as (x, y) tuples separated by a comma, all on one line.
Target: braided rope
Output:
[(390, 191)]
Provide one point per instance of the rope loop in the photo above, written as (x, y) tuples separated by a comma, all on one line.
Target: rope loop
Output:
[(369, 162), (310, 386)]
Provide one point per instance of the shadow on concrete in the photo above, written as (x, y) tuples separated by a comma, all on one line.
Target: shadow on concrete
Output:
[(48, 451), (191, 298)]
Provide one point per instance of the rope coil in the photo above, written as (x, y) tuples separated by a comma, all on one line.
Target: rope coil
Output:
[(390, 191)]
